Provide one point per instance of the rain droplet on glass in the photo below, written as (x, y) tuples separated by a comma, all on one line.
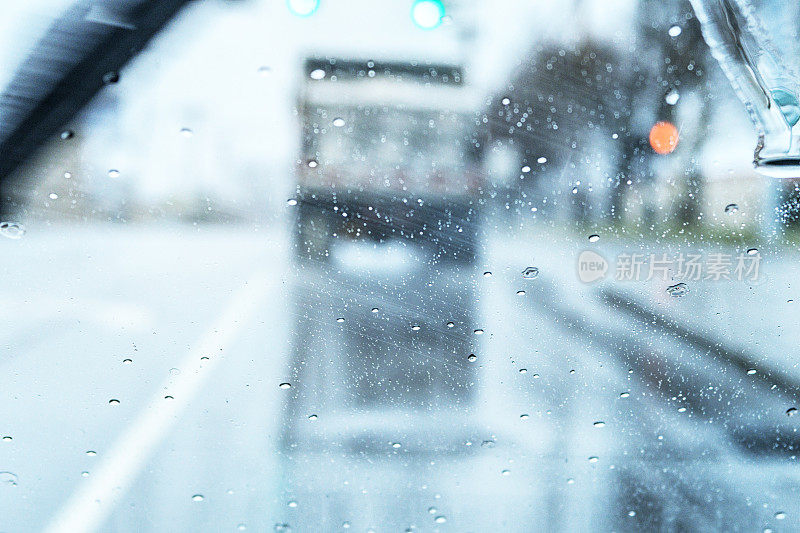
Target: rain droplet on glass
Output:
[(677, 290), (12, 230), (672, 97), (530, 273)]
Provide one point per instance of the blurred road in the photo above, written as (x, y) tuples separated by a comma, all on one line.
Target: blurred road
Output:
[(574, 413)]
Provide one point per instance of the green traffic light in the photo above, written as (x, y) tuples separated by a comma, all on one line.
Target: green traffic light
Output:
[(427, 14), (302, 8)]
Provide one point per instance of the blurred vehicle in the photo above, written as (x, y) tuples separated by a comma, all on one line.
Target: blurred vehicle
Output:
[(389, 151)]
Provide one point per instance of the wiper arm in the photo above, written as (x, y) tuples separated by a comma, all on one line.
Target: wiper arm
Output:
[(80, 53)]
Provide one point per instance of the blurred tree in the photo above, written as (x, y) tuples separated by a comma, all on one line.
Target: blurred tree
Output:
[(576, 104)]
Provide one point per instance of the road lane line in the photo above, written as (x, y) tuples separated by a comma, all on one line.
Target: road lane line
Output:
[(89, 506)]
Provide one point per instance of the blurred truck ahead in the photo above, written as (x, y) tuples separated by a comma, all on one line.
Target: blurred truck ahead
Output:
[(390, 150)]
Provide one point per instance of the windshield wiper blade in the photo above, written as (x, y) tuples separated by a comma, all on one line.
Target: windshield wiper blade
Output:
[(81, 52)]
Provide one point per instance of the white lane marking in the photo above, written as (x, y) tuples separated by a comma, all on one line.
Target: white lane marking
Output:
[(89, 506)]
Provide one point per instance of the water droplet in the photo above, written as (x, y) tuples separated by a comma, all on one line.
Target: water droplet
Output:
[(168, 397), (53, 196), (536, 376), (12, 230), (312, 163), (396, 445), (593, 459), (312, 417), (672, 97), (415, 327), (174, 371), (780, 515), (506, 472), (292, 504), (487, 274), (338, 122), (317, 74), (599, 424), (523, 370), (631, 513), (375, 309), (677, 290), (186, 132), (450, 324), (624, 394), (91, 453), (283, 528), (8, 478), (113, 173), (542, 160), (506, 100), (674, 31), (291, 201), (113, 401), (530, 273), (615, 136), (340, 320), (440, 519), (67, 134), (752, 251), (520, 293), (489, 443), (198, 497), (731, 209), (67, 175), (526, 169), (7, 438), (791, 411), (84, 474), (751, 371), (285, 385), (472, 358), (594, 238), (524, 416), (478, 332), (110, 77)]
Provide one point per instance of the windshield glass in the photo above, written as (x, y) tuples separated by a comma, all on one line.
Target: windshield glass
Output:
[(409, 265)]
